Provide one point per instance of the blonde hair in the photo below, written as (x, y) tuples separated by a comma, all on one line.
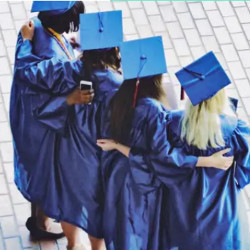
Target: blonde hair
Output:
[(201, 125)]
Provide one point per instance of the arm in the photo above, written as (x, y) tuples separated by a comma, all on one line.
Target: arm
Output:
[(123, 149), (54, 113), (217, 160), (51, 75), (23, 54), (167, 163), (162, 151), (142, 175)]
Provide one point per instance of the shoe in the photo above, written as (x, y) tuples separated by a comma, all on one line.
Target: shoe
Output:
[(39, 234)]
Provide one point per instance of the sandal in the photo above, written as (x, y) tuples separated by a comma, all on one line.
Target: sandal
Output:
[(40, 234)]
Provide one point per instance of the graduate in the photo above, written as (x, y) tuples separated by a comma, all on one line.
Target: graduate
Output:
[(77, 157), (135, 200), (31, 140)]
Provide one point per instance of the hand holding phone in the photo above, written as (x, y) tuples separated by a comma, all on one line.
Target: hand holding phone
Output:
[(86, 85)]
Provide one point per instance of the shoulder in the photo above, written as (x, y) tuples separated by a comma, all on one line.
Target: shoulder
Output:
[(152, 109), (108, 75), (150, 104), (114, 76), (41, 37), (229, 125), (38, 25), (240, 140), (242, 128)]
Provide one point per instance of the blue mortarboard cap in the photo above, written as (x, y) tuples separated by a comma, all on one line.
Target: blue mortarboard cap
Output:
[(101, 30), (52, 7), (143, 57), (203, 78)]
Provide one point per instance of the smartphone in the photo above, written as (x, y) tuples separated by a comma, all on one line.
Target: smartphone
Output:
[(85, 85)]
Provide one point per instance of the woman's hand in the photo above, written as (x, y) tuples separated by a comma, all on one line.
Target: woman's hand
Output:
[(107, 145), (80, 97), (217, 160), (28, 31)]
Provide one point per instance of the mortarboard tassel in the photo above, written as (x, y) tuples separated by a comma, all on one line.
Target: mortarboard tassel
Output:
[(196, 74), (101, 27), (143, 60), (182, 94), (136, 92)]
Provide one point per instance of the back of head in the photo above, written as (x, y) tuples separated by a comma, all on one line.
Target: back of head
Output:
[(66, 22), (143, 63), (201, 125), (122, 110), (98, 59)]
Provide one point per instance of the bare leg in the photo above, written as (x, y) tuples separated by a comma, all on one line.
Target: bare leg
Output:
[(42, 220), (72, 234), (96, 244)]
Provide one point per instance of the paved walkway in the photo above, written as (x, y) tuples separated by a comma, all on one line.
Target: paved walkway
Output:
[(189, 29)]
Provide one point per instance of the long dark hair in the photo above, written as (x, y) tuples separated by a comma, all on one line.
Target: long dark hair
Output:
[(122, 110), (100, 59), (68, 21)]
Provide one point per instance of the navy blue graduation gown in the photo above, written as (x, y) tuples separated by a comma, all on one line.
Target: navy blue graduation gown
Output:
[(33, 85), (72, 188), (79, 158), (132, 215), (204, 207)]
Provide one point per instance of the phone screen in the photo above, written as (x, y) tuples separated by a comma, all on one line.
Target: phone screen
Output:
[(85, 85)]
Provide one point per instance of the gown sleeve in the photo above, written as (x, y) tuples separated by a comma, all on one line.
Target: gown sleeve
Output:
[(51, 75), (23, 54), (241, 141), (161, 163)]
